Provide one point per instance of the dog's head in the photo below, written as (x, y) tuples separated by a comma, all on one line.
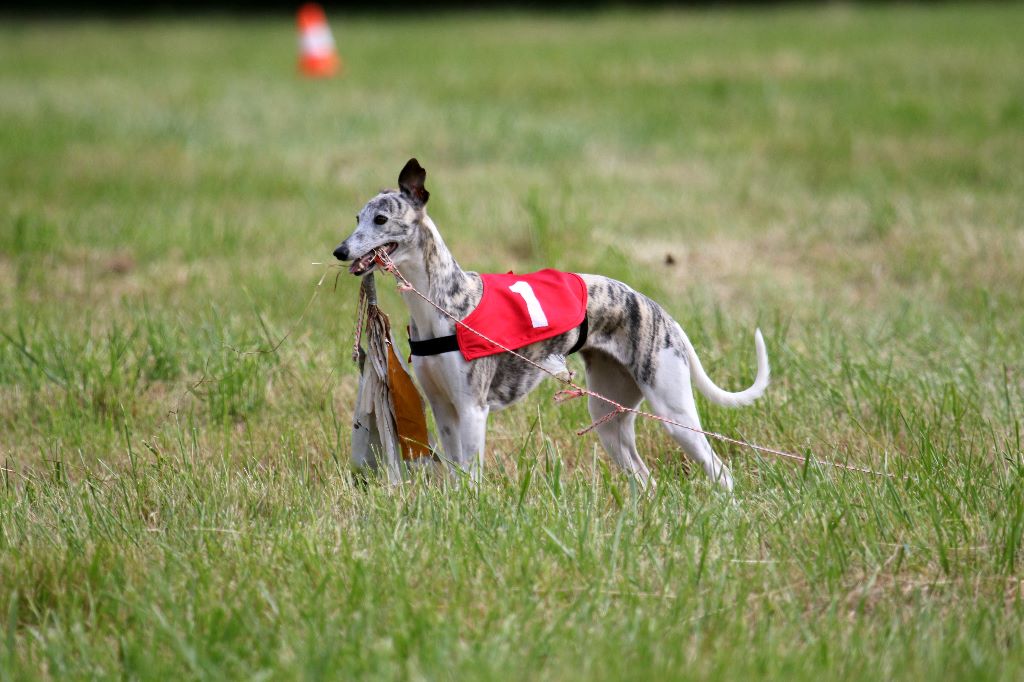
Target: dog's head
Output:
[(391, 220)]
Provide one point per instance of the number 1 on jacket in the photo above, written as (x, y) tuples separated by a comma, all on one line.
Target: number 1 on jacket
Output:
[(537, 316)]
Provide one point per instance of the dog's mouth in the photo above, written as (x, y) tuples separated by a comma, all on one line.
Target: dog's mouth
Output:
[(368, 261)]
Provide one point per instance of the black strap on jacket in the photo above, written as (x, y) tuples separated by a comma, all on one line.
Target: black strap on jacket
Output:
[(447, 344), (442, 344), (582, 338)]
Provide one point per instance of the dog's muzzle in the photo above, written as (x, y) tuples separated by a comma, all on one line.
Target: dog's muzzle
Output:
[(367, 262), (341, 253)]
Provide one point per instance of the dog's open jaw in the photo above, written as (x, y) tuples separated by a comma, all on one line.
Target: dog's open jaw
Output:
[(367, 262)]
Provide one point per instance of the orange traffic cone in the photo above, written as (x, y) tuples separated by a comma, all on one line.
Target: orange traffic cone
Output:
[(317, 58)]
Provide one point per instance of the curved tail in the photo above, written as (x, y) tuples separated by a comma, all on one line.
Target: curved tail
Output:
[(727, 398)]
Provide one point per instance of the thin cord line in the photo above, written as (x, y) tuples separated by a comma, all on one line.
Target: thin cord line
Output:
[(577, 391)]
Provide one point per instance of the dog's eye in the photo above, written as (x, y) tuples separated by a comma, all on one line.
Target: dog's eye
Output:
[(379, 219)]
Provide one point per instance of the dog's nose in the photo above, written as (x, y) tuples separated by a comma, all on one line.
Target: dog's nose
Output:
[(341, 253)]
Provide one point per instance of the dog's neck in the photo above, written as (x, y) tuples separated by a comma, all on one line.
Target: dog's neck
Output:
[(435, 272)]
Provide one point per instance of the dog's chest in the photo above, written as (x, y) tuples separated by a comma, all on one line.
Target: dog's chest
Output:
[(440, 377), (493, 381)]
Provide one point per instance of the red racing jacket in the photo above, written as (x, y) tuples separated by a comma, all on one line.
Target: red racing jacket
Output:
[(515, 311)]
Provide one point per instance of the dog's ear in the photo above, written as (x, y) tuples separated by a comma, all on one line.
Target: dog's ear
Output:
[(411, 180)]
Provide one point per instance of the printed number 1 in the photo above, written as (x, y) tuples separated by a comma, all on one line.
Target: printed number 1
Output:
[(537, 316)]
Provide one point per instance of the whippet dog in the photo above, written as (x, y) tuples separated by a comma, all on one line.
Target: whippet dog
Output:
[(633, 350)]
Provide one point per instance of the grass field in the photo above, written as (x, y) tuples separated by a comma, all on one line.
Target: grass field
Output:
[(849, 179)]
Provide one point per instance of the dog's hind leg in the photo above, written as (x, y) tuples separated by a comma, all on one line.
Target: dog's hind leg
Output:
[(607, 376), (670, 395)]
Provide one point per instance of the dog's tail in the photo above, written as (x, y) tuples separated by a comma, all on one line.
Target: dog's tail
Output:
[(727, 398)]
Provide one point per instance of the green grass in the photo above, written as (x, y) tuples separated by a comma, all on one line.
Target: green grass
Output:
[(848, 179)]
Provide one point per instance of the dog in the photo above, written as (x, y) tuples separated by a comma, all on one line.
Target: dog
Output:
[(631, 348)]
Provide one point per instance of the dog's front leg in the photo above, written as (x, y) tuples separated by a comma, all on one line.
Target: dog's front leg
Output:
[(462, 433), (447, 420), (445, 415), (472, 437), (459, 410)]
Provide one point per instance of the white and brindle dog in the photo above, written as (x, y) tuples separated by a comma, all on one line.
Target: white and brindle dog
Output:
[(634, 350)]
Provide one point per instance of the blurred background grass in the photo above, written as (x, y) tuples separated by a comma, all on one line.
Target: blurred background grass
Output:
[(848, 178), (836, 167)]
